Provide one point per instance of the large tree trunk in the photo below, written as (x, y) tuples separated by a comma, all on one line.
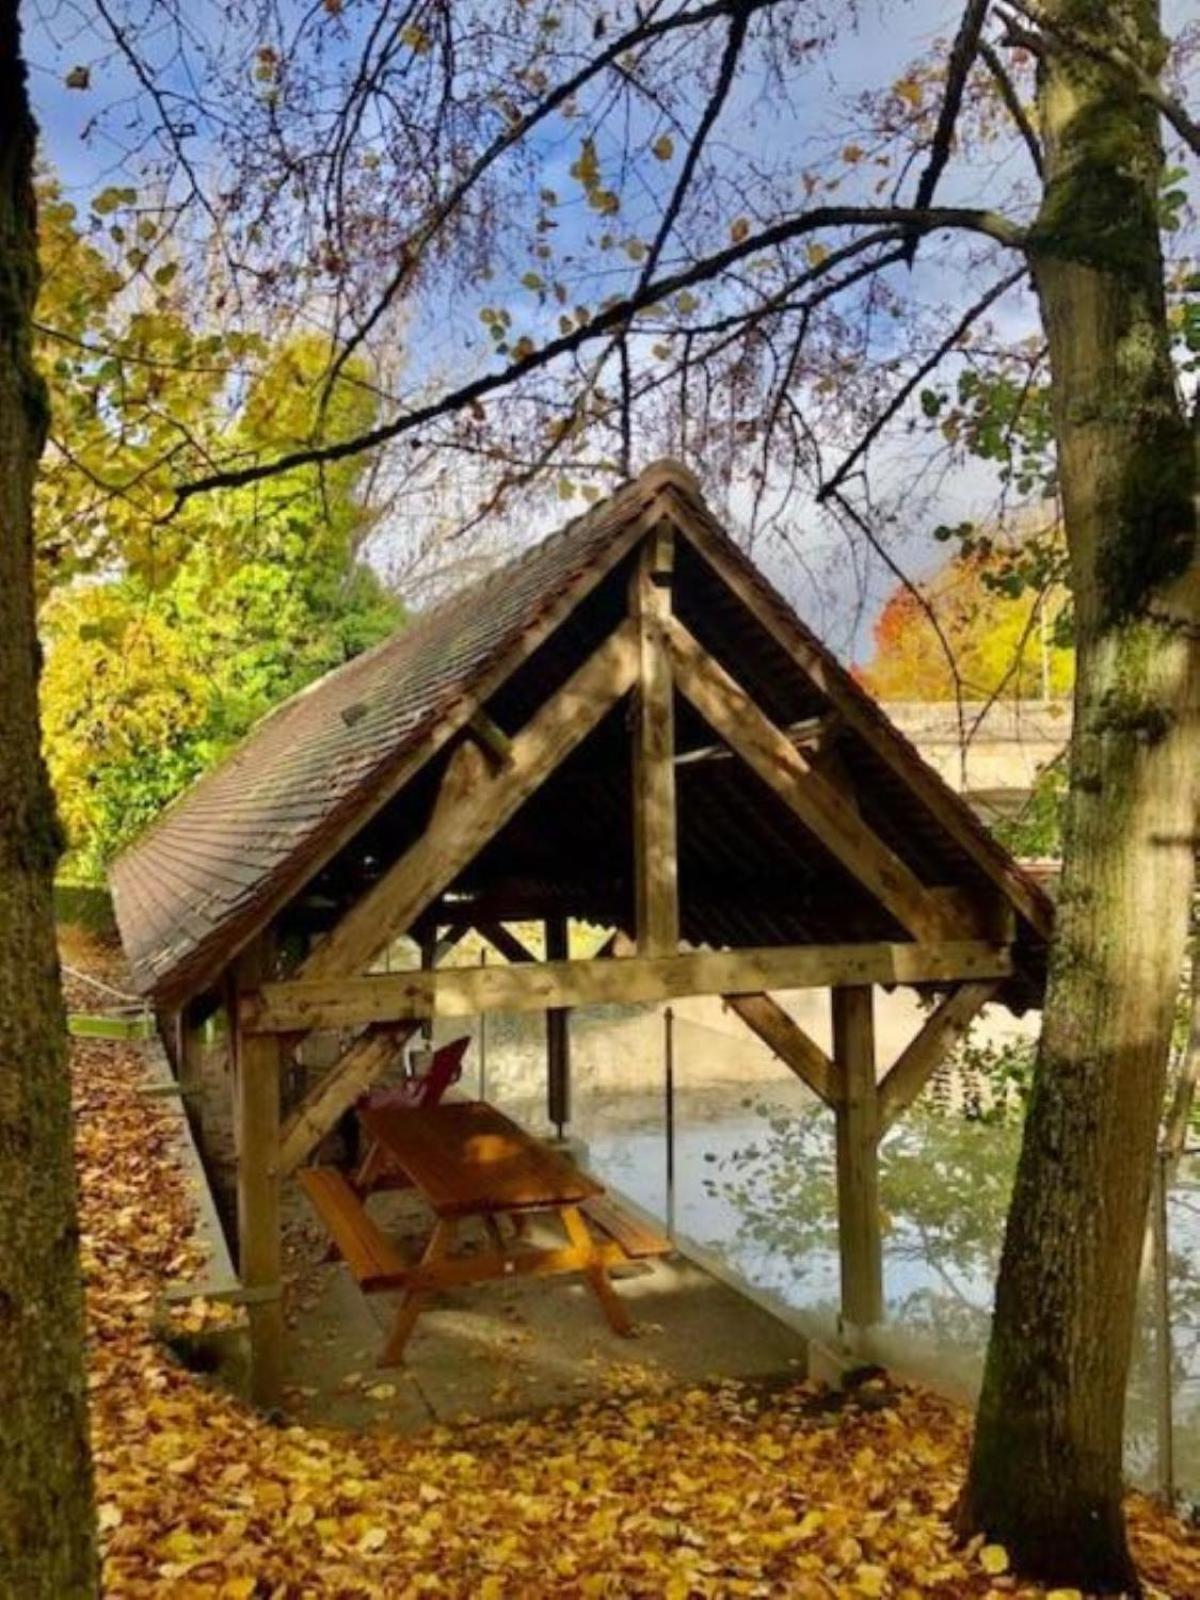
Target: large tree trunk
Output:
[(1045, 1475), (47, 1544)]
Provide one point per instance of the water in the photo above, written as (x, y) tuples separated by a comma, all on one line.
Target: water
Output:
[(755, 1185)]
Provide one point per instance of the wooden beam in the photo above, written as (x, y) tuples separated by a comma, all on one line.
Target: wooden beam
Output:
[(474, 803), (765, 748), (558, 1035), (355, 1071), (781, 1033), (861, 716), (502, 939), (860, 1241), (655, 860), (491, 736), (472, 991), (260, 1229), (910, 1072)]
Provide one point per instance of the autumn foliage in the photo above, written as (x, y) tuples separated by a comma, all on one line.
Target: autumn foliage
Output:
[(976, 628), (720, 1490)]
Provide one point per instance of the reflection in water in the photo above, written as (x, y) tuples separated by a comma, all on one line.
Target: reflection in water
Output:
[(755, 1183)]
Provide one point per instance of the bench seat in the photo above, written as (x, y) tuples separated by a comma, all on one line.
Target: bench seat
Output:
[(639, 1240), (374, 1262)]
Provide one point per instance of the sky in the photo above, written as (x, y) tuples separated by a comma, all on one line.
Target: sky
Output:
[(61, 35)]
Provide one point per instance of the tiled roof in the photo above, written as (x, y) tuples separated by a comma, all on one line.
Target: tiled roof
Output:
[(232, 851), (194, 887)]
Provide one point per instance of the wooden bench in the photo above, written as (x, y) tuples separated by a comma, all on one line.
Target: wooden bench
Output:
[(374, 1262), (637, 1239)]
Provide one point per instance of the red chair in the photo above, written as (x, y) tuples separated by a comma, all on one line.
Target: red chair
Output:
[(427, 1090)]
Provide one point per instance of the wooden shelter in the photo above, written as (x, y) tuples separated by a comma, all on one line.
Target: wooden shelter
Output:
[(626, 725)]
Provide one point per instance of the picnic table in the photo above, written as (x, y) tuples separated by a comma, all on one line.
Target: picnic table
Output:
[(467, 1160)]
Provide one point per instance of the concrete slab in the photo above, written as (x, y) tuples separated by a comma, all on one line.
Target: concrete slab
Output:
[(508, 1348)]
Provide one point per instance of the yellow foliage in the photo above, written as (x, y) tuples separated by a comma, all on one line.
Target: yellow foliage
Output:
[(723, 1491)]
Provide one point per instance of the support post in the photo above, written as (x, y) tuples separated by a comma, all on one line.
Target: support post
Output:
[(857, 1116), (189, 1053), (656, 873), (558, 1035), (260, 1246)]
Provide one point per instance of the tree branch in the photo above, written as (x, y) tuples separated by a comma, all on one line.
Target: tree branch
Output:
[(988, 223), (1012, 101), (410, 251), (962, 57), (1146, 83), (906, 389)]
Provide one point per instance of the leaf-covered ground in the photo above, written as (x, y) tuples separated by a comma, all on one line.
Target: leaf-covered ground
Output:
[(720, 1491)]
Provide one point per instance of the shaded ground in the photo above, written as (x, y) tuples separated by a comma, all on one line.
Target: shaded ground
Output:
[(504, 1349), (707, 1490)]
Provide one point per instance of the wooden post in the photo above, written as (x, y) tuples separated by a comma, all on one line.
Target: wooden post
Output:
[(558, 1035), (857, 1115), (260, 1248), (429, 956), (656, 873), (189, 1053)]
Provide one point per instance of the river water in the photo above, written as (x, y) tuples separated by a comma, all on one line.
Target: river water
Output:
[(754, 1186)]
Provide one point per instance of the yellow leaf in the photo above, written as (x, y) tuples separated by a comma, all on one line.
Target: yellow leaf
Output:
[(240, 1588), (587, 166), (870, 1580), (739, 229), (909, 89), (664, 147), (993, 1558), (816, 253), (1064, 1594)]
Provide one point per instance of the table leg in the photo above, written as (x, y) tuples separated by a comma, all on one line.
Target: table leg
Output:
[(595, 1271), (414, 1300), (492, 1225), (370, 1167)]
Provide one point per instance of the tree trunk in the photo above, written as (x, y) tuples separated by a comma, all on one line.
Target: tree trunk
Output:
[(47, 1546), (1046, 1472)]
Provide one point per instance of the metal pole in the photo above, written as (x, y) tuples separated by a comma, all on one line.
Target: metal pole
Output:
[(1162, 1334), (483, 1039), (669, 1065)]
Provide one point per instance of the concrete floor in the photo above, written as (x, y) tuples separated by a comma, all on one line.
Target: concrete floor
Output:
[(507, 1348)]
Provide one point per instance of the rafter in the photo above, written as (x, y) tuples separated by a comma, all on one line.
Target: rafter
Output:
[(861, 718), (732, 713), (475, 801)]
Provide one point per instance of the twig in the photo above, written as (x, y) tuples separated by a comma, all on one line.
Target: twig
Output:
[(989, 223), (906, 389)]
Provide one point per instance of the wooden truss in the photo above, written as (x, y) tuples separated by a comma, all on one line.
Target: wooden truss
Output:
[(955, 941)]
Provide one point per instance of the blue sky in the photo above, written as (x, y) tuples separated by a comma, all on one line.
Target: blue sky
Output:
[(889, 34)]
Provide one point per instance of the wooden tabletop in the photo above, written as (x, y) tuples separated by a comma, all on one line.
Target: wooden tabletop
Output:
[(467, 1158)]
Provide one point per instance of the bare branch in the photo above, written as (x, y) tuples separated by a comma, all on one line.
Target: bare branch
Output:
[(962, 57), (988, 223), (410, 251), (908, 388), (1012, 101)]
